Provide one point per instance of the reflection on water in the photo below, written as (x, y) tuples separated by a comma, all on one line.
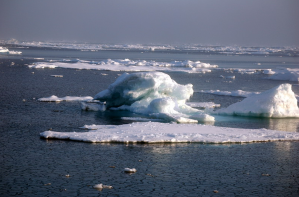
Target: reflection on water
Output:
[(287, 124)]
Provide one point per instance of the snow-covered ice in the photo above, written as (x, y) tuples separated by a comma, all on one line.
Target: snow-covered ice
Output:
[(203, 104), (285, 74), (154, 94), (239, 93), (278, 102), (5, 50), (54, 98), (154, 132)]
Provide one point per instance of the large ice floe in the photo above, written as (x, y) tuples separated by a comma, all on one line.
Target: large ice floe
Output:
[(154, 132), (286, 74), (130, 65), (154, 94), (278, 102)]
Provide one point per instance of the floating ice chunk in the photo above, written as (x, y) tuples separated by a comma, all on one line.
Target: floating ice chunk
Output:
[(268, 72), (5, 50), (286, 74), (42, 65), (154, 132), (130, 65), (101, 186), (130, 170), (54, 98), (239, 93), (278, 102), (203, 104), (56, 75), (152, 93)]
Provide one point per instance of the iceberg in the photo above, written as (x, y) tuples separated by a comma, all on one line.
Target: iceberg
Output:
[(278, 102), (154, 94)]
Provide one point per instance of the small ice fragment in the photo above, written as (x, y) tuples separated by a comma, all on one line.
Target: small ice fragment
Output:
[(130, 170), (56, 75), (101, 186), (67, 175)]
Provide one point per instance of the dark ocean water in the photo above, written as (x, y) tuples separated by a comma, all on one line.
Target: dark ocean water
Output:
[(31, 166)]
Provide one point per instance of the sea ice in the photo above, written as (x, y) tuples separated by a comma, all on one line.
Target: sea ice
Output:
[(285, 74), (130, 65), (154, 132), (54, 98), (239, 93), (278, 102), (154, 94)]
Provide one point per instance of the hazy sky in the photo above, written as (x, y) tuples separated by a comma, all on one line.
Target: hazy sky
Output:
[(225, 22)]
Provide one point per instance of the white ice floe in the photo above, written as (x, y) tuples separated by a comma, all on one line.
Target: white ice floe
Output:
[(139, 119), (203, 104), (154, 132), (239, 93), (285, 74), (5, 50), (130, 65), (54, 98), (101, 186), (154, 94), (278, 102), (130, 170)]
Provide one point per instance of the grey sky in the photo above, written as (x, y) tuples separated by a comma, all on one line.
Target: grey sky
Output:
[(225, 22)]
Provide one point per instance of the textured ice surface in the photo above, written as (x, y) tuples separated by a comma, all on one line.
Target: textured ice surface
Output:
[(130, 65), (239, 93), (285, 74), (153, 132), (278, 102), (154, 94), (54, 98)]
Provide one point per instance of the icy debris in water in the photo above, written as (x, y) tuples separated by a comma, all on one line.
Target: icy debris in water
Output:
[(130, 170), (67, 175), (101, 186), (56, 75)]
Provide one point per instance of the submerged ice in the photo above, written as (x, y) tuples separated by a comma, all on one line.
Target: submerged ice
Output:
[(154, 94)]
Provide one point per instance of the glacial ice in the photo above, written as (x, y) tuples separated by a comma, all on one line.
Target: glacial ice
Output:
[(278, 102), (154, 94)]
